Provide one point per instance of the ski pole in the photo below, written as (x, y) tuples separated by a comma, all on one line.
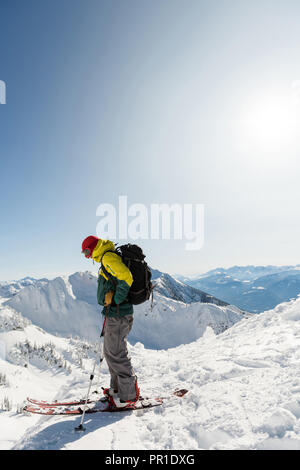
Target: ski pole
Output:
[(80, 427)]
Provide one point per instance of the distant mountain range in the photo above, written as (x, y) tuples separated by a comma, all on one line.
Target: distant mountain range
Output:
[(251, 288), (10, 288)]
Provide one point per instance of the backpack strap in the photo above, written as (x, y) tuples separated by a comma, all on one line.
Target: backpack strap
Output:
[(110, 276), (107, 274)]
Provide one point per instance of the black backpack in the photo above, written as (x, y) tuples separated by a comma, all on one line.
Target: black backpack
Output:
[(134, 258)]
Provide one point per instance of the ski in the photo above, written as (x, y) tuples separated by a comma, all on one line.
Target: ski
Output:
[(46, 404), (78, 402), (100, 406)]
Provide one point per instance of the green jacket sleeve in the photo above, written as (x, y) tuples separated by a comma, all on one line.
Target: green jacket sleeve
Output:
[(121, 293)]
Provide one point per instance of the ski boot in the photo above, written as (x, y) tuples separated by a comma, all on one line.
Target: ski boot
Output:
[(109, 392), (116, 402)]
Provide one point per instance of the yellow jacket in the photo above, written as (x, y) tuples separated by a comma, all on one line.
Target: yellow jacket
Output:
[(120, 281)]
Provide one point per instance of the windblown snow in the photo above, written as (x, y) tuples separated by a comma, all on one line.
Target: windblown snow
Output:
[(242, 373)]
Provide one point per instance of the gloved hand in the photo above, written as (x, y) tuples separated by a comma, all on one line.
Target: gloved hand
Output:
[(108, 298)]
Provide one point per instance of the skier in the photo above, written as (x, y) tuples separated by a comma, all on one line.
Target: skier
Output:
[(114, 282)]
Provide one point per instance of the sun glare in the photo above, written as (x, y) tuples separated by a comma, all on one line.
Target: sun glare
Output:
[(268, 123)]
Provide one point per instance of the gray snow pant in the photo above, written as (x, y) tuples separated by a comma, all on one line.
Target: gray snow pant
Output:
[(122, 374)]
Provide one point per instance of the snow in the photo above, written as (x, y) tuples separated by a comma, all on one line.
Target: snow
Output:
[(172, 323), (244, 384), (68, 306), (54, 307)]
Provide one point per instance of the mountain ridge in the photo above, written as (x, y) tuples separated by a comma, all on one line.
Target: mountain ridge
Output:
[(68, 306), (253, 291)]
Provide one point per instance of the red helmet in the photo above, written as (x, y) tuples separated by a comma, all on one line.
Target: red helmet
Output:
[(88, 245)]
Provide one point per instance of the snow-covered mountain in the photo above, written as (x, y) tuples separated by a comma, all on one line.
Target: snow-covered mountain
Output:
[(174, 289), (241, 273), (172, 323), (252, 288), (244, 387), (67, 306), (10, 288), (63, 306)]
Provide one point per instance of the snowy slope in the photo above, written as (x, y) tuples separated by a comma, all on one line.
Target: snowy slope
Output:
[(33, 363), (172, 323), (244, 394)]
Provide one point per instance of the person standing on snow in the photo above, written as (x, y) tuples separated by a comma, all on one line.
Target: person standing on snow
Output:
[(114, 282)]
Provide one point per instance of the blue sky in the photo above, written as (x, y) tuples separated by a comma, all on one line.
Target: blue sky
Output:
[(163, 101)]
